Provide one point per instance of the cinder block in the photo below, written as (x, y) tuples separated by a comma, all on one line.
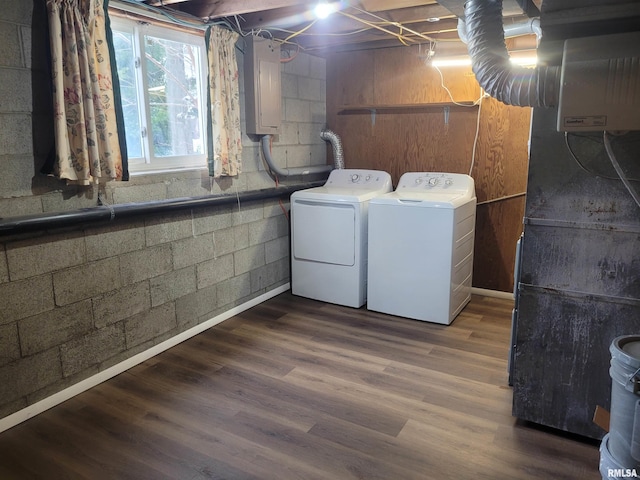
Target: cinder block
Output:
[(144, 264), (15, 134), (9, 343), (196, 307), (120, 304), (232, 290), (16, 207), (309, 133), (318, 112), (289, 134), (16, 181), (25, 298), (32, 257), (312, 89), (46, 330), (299, 156), (78, 355), (151, 324), (247, 214), (298, 66), (186, 187), (270, 275), (267, 229), (289, 85), (212, 219), (69, 199), (113, 240), (168, 228), (172, 285), (15, 89), (317, 67), (193, 250), (139, 193), (17, 12), (86, 281), (276, 249), (248, 259), (11, 56), (259, 180), (215, 271), (297, 110), (29, 374), (4, 270), (274, 208)]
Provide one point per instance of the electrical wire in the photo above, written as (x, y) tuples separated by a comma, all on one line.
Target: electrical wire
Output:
[(475, 139), (618, 169), (295, 34), (477, 103)]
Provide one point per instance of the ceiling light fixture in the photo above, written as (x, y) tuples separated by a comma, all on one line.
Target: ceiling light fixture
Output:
[(324, 9)]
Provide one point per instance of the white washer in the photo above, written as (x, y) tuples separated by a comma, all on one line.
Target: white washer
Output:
[(421, 247), (329, 236)]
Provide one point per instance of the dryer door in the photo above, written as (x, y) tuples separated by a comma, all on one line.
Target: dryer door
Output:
[(324, 232)]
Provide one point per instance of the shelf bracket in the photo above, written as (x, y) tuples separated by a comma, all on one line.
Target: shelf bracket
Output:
[(446, 110), (373, 116)]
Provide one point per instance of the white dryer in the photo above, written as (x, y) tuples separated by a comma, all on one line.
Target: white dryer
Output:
[(329, 236), (421, 240)]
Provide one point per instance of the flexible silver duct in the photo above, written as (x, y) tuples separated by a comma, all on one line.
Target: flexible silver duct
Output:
[(287, 172), (528, 27), (511, 84), (338, 154)]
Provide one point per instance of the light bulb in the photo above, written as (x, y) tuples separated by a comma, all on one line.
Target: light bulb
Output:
[(323, 10)]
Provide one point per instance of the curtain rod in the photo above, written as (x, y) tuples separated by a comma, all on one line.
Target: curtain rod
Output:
[(108, 213)]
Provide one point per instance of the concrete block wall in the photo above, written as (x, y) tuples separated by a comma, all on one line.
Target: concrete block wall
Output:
[(74, 302)]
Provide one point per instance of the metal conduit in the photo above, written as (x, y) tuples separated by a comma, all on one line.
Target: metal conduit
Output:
[(107, 213)]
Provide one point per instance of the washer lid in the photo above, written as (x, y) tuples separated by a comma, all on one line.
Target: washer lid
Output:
[(424, 199)]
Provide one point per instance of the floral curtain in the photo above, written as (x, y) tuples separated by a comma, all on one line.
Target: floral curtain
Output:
[(87, 145), (223, 125)]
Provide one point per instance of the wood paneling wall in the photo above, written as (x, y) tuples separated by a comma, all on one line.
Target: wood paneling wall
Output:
[(387, 107)]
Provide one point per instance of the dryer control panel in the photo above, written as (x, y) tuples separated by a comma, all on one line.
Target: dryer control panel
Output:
[(435, 182), (357, 178)]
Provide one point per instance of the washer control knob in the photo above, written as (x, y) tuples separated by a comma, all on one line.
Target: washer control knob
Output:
[(355, 177), (418, 181), (433, 181), (367, 178), (448, 182)]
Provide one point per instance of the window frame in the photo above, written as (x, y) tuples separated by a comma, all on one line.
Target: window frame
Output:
[(138, 29)]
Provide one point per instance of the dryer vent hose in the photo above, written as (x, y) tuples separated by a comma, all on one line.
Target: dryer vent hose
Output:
[(338, 154), (511, 84)]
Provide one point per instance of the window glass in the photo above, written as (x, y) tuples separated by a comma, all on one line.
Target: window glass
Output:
[(162, 85)]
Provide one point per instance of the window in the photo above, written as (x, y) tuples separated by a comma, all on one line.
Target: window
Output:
[(162, 85)]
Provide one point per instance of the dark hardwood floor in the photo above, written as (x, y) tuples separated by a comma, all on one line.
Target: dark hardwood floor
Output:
[(298, 389)]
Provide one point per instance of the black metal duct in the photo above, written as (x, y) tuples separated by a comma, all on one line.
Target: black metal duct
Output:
[(108, 213), (511, 84)]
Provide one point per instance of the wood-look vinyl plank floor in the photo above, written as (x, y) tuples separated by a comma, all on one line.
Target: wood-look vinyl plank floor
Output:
[(299, 389)]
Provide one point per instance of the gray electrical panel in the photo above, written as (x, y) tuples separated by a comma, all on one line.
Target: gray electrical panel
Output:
[(262, 86)]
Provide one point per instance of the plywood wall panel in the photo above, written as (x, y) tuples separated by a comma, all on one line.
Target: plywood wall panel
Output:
[(402, 77), (419, 139)]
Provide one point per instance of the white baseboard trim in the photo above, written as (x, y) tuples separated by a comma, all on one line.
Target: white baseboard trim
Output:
[(57, 398), (492, 293)]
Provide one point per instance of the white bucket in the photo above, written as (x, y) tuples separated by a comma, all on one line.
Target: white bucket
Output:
[(610, 469), (624, 427)]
